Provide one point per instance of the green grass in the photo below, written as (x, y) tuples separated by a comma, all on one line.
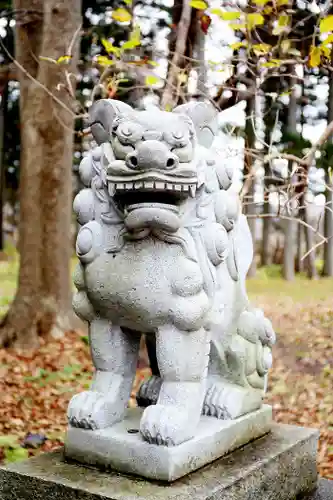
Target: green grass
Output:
[(269, 282)]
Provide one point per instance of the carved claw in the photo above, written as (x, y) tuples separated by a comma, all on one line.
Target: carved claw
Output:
[(166, 425), (92, 410)]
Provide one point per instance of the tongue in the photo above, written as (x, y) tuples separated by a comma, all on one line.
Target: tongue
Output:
[(154, 216)]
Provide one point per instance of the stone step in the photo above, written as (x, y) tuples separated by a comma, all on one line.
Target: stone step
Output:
[(279, 466)]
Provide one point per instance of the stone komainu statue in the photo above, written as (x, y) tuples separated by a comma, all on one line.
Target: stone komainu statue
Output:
[(164, 251)]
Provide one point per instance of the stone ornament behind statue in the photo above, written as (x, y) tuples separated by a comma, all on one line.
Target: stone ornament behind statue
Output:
[(164, 251)]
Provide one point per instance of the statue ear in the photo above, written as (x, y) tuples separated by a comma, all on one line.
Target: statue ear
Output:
[(204, 118), (102, 114)]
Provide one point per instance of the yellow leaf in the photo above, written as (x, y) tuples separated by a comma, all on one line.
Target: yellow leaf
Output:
[(238, 45), (283, 23), (282, 2), (128, 2), (315, 56), (130, 44), (284, 20), (198, 4), (328, 40), (261, 48), (273, 63), (225, 15), (151, 80), (325, 50), (268, 10), (326, 24), (121, 15), (64, 59), (110, 49), (237, 26), (182, 77), (254, 20), (152, 63), (168, 107), (261, 2), (285, 46), (104, 61)]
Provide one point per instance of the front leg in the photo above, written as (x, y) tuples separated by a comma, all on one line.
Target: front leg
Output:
[(114, 353), (182, 359)]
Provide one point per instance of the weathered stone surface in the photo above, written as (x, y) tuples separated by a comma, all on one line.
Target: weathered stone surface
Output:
[(122, 448), (278, 466), (164, 251), (324, 491)]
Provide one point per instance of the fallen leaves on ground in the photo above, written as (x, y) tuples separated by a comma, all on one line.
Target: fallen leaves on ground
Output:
[(36, 389)]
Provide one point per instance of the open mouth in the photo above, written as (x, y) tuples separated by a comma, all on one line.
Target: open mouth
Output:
[(154, 192)]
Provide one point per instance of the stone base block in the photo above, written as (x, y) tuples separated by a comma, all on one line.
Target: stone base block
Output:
[(278, 466), (121, 448)]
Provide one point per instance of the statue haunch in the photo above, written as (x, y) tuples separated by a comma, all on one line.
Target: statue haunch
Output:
[(164, 251)]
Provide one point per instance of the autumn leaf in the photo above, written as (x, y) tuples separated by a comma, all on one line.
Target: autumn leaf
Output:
[(328, 40), (272, 63), (260, 3), (261, 48), (254, 20), (226, 15), (104, 61), (198, 4), (315, 56), (326, 24), (151, 80), (238, 45), (16, 455), (110, 48), (64, 59), (282, 25), (121, 15)]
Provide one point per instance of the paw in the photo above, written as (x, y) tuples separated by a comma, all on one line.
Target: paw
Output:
[(91, 410), (166, 425), (149, 392)]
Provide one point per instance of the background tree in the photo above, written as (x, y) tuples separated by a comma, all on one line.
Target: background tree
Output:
[(43, 299)]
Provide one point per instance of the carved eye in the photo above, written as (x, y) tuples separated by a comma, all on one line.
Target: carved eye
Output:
[(128, 132), (177, 138), (178, 135)]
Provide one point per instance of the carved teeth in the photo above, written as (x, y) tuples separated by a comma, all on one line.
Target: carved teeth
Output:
[(157, 185), (192, 190)]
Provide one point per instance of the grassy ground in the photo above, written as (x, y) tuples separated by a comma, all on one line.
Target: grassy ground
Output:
[(36, 389)]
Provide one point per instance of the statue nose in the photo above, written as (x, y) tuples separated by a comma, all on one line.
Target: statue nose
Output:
[(150, 155)]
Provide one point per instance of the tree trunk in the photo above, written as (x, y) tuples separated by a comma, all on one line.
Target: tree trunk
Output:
[(43, 300), (179, 45), (309, 239), (290, 224), (299, 262), (3, 110), (250, 207), (328, 228), (328, 222)]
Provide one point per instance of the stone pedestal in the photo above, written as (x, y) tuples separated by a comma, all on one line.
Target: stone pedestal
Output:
[(121, 448), (277, 466)]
